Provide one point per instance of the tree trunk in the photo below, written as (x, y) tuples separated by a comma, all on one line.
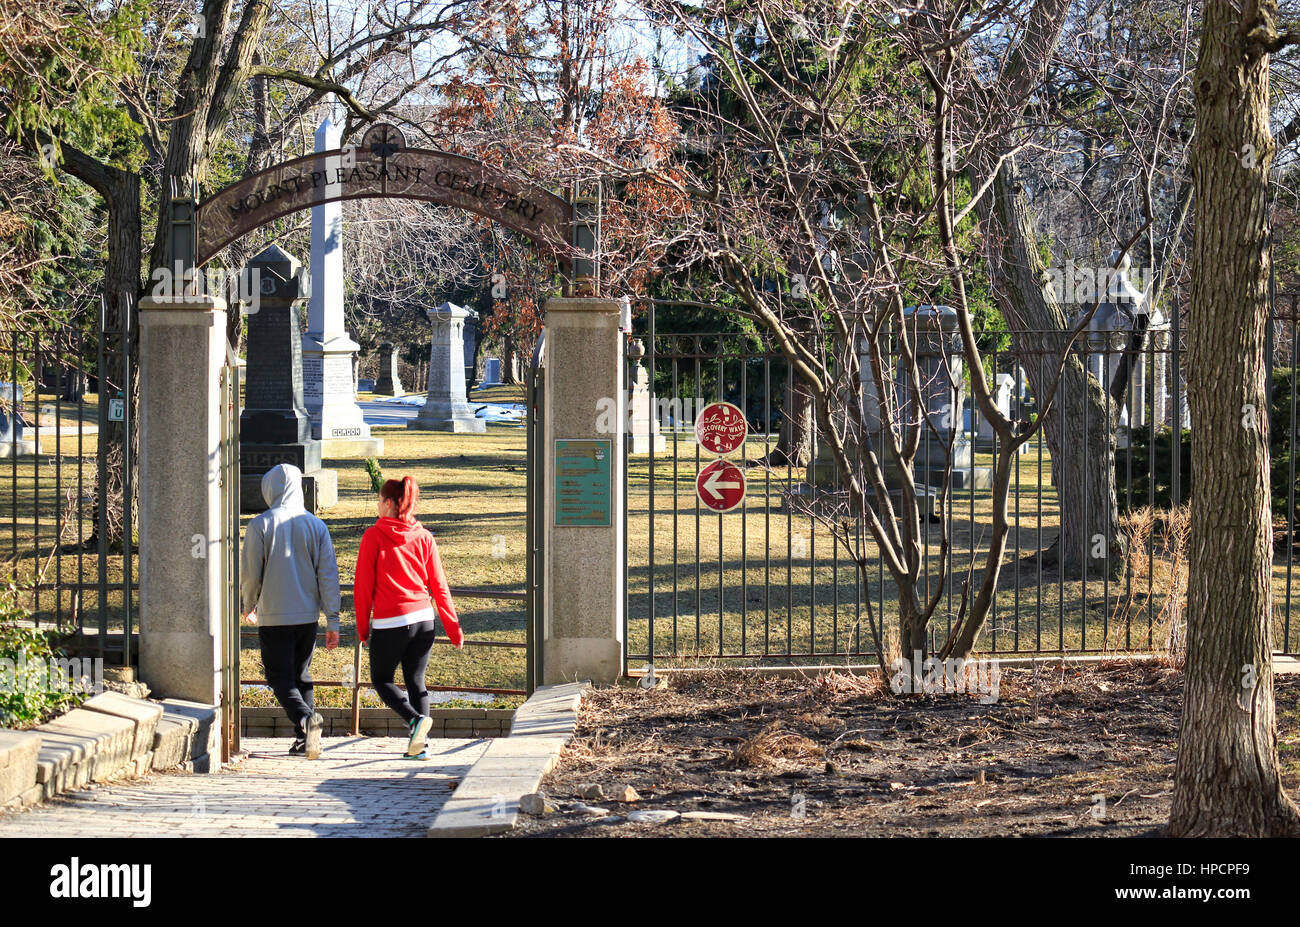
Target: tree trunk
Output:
[(1079, 428), (794, 437), (120, 191), (1227, 782)]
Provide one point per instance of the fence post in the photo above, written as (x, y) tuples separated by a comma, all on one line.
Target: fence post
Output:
[(356, 689), (582, 488), (182, 350)]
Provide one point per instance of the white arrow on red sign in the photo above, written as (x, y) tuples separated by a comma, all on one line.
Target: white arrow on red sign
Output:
[(721, 428), (721, 486)]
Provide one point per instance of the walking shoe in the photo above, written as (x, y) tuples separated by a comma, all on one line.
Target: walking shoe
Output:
[(298, 747), (419, 736), (422, 755), (312, 726)]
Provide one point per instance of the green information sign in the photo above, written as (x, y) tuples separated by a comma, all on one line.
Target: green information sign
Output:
[(583, 483)]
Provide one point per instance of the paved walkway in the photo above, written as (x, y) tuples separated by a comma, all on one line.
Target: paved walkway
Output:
[(360, 787)]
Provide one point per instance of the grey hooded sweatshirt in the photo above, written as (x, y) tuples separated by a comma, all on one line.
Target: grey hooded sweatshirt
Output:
[(287, 568)]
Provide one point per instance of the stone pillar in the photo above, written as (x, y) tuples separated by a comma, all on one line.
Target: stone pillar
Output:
[(388, 383), (445, 405), (586, 414), (182, 349)]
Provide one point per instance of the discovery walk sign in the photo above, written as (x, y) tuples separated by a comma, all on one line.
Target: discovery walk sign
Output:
[(382, 166)]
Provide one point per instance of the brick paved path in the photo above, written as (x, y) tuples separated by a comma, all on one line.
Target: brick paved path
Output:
[(360, 787)]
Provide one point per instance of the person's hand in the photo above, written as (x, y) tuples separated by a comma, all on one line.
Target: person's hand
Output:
[(251, 617), (331, 639)]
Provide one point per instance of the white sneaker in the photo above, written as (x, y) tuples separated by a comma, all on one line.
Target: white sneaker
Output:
[(419, 735), (312, 727)]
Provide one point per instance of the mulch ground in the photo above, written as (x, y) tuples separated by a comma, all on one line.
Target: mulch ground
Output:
[(1080, 751)]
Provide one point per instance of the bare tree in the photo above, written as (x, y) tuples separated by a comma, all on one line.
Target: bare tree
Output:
[(849, 179)]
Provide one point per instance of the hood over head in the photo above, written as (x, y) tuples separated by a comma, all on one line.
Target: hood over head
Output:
[(282, 486)]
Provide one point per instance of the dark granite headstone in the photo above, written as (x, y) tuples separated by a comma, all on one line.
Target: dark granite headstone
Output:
[(274, 427), (389, 383), (471, 349)]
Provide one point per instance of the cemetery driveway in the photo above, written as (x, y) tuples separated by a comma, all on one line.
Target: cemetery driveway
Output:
[(360, 787)]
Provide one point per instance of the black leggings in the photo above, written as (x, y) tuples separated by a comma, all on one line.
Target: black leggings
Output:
[(408, 646)]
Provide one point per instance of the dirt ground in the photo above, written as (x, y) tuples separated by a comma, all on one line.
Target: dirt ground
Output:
[(1091, 754)]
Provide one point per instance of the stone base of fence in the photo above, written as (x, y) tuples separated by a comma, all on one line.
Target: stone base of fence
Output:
[(381, 722)]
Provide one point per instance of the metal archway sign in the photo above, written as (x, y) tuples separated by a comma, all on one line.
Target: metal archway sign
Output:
[(382, 166)]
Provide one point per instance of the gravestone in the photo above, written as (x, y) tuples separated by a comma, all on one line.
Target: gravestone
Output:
[(66, 382), (329, 384), (937, 346), (274, 427), (940, 364), (445, 406), (1107, 339), (13, 442), (471, 350), (389, 383), (491, 372), (1004, 388), (643, 431)]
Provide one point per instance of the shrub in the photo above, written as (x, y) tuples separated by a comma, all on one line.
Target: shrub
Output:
[(1143, 448), (1152, 461), (28, 695), (375, 473)]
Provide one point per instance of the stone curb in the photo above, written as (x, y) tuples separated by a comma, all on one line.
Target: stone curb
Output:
[(487, 799), (18, 751), (108, 736)]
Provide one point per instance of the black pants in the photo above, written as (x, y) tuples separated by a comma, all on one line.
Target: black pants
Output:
[(286, 656), (409, 647)]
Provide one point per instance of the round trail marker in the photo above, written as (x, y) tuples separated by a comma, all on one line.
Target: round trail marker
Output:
[(721, 428), (721, 486)]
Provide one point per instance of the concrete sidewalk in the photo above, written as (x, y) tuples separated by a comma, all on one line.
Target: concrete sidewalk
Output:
[(360, 787)]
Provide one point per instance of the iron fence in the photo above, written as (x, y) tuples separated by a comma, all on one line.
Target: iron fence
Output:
[(65, 422), (769, 582)]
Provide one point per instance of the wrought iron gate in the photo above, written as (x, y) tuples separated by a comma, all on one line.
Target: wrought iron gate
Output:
[(230, 618)]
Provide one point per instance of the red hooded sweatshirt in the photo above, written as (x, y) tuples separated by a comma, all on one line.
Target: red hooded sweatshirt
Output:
[(399, 572)]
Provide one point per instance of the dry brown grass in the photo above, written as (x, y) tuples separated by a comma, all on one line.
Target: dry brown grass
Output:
[(773, 744), (1157, 559)]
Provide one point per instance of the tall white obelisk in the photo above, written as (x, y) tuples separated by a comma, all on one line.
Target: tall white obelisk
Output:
[(327, 349)]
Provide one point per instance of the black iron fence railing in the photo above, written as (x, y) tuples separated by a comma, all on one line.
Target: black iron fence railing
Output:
[(793, 574)]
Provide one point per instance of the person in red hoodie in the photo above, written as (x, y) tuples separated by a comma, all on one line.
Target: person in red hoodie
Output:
[(399, 577)]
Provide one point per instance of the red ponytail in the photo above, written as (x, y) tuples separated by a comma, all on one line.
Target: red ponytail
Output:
[(405, 493)]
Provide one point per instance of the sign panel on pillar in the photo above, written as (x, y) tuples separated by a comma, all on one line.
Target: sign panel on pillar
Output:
[(583, 482), (721, 486), (721, 428)]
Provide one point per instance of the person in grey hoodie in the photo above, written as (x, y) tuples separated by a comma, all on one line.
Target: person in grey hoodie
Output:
[(288, 576)]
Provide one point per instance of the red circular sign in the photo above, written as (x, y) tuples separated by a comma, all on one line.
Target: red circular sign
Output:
[(721, 428), (721, 486)]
